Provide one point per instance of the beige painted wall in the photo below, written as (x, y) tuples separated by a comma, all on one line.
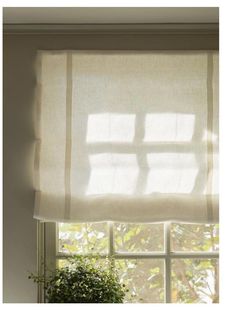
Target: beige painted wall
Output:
[(102, 15), (20, 253)]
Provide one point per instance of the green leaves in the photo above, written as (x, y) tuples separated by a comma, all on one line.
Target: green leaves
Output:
[(194, 280), (82, 282), (195, 237)]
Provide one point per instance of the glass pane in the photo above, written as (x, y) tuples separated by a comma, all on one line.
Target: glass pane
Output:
[(144, 278), (138, 237), (195, 281), (61, 263), (98, 263), (83, 238), (195, 237)]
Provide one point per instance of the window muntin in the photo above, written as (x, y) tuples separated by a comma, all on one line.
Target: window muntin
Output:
[(150, 259)]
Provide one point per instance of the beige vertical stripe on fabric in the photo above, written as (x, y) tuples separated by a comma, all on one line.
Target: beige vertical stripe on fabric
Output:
[(68, 136), (209, 135), (38, 122), (38, 134)]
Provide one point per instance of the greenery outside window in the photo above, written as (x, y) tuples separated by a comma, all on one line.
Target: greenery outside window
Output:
[(159, 263)]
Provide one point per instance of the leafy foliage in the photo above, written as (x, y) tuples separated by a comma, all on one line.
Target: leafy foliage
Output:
[(193, 281), (83, 282), (139, 237), (144, 278), (83, 238)]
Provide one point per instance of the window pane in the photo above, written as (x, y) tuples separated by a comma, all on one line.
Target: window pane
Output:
[(61, 263), (98, 263), (144, 278), (195, 237), (195, 281), (83, 238), (138, 237)]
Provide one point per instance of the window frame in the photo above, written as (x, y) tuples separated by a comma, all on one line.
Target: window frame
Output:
[(50, 254), (119, 37)]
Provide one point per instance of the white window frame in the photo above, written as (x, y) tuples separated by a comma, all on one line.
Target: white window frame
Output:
[(160, 37), (49, 254)]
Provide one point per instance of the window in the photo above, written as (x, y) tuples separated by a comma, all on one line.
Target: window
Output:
[(164, 262), (132, 156)]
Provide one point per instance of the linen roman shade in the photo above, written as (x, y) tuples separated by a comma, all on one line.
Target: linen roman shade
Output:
[(128, 136)]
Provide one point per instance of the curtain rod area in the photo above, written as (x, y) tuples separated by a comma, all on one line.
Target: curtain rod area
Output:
[(115, 29)]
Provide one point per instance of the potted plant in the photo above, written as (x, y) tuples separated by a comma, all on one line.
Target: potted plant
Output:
[(83, 281)]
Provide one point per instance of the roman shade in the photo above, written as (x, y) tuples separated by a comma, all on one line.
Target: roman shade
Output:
[(129, 136)]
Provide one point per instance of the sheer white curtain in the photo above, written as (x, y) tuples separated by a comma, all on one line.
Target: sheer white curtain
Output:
[(127, 136)]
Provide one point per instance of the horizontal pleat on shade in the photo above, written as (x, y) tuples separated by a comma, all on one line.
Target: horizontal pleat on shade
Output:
[(127, 136)]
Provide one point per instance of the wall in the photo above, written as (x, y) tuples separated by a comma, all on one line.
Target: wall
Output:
[(20, 229), (103, 15)]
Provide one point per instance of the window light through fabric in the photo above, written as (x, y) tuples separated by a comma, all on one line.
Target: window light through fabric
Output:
[(127, 136)]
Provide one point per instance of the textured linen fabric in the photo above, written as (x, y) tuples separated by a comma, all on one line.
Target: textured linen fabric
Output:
[(127, 136)]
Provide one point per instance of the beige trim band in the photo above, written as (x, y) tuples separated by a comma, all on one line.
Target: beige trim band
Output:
[(68, 137), (37, 122), (209, 136)]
